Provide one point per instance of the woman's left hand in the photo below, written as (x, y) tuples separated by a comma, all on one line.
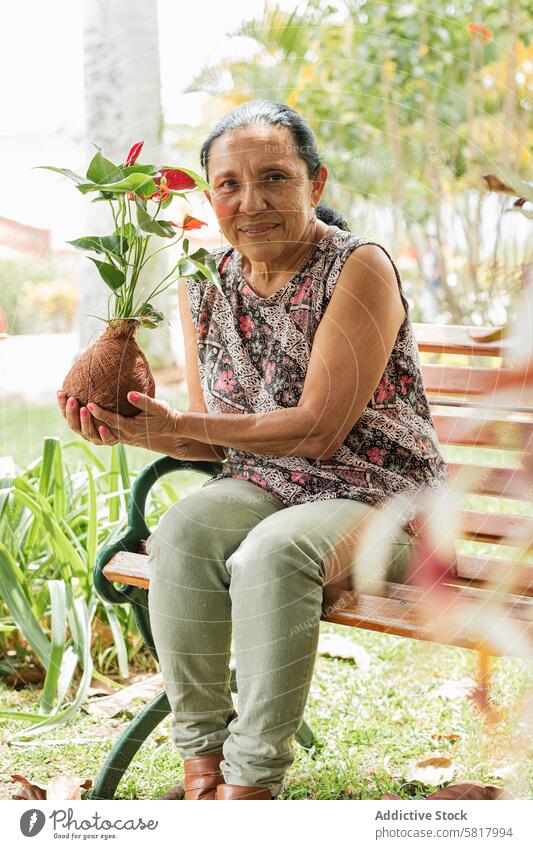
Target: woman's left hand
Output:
[(156, 427)]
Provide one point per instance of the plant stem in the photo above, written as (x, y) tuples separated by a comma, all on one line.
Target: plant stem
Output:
[(164, 248)]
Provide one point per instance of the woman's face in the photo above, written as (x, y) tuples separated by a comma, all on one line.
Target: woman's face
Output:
[(260, 181)]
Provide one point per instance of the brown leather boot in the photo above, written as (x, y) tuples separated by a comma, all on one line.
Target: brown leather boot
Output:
[(236, 791), (201, 776)]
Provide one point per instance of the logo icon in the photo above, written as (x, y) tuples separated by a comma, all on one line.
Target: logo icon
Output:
[(32, 822)]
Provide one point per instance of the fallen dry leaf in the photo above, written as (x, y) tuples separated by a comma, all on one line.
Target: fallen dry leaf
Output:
[(432, 771), (100, 688), (30, 791), (177, 791), (22, 674), (146, 689), (453, 738), (59, 787), (161, 739), (464, 790), (335, 645), (469, 790)]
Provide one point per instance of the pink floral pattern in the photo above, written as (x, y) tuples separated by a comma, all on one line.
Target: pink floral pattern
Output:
[(253, 355), (246, 324), (226, 382)]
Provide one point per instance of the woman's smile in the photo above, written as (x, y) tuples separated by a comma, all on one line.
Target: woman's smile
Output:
[(259, 232)]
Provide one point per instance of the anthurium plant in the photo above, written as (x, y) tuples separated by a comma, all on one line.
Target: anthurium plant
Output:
[(137, 195)]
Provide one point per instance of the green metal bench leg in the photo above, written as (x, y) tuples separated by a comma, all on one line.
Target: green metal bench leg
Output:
[(127, 746)]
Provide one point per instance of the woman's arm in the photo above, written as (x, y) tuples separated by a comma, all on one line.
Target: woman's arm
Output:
[(351, 348)]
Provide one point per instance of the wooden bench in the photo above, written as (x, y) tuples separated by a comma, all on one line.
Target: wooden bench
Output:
[(458, 393)]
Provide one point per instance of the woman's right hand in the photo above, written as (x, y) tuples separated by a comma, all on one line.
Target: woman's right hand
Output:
[(82, 422)]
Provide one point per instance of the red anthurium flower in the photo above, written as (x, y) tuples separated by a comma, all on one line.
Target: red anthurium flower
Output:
[(134, 153), (162, 195), (178, 180), (190, 223)]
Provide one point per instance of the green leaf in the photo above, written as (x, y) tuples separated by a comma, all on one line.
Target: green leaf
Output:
[(110, 274), (118, 638), (199, 254), (167, 201), (139, 169), (114, 498), (80, 626), (68, 667), (58, 642), (65, 171), (16, 601), (92, 527), (187, 268), (62, 547), (93, 457), (101, 170), (151, 317), (130, 232), (138, 183), (87, 243), (59, 480), (185, 245), (168, 227), (110, 246), (124, 471), (208, 269), (149, 224)]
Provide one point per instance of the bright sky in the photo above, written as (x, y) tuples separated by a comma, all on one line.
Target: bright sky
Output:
[(41, 68)]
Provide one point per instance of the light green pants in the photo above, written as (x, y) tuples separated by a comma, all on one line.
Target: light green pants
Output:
[(228, 559)]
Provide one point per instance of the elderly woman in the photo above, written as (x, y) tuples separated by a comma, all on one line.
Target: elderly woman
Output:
[(303, 375)]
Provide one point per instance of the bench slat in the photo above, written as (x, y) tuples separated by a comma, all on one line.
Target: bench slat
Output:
[(127, 567), (461, 428), (456, 339), (402, 615), (501, 481), (462, 380), (489, 526), (489, 569)]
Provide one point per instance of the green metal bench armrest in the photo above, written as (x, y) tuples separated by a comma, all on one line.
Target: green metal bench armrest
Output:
[(137, 528)]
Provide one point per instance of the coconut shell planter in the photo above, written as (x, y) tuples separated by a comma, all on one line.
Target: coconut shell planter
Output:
[(109, 369), (115, 365)]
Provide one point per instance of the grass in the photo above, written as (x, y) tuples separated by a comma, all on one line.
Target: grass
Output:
[(370, 726), (23, 427)]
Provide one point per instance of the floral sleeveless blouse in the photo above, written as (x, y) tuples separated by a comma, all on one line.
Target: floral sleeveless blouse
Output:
[(253, 355)]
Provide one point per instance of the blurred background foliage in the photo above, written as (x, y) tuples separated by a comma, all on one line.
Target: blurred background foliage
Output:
[(411, 104), (39, 295)]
